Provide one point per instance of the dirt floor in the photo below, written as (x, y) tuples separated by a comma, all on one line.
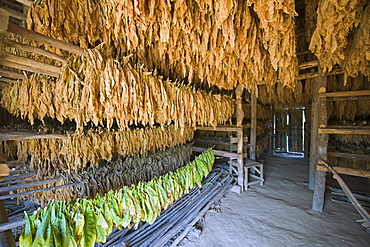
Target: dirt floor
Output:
[(279, 214)]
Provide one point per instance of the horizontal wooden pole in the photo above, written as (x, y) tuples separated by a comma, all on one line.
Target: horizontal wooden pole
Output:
[(307, 65), (347, 171), (11, 74), (212, 142), (37, 191), (45, 39), (303, 53), (27, 135), (29, 64), (7, 81), (15, 14), (3, 84), (315, 74), (25, 2), (223, 127), (23, 175), (18, 181), (11, 225), (344, 131), (28, 185), (349, 156), (221, 153), (345, 94), (33, 49)]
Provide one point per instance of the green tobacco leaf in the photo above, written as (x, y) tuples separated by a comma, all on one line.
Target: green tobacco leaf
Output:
[(89, 231), (41, 233), (26, 239), (67, 233)]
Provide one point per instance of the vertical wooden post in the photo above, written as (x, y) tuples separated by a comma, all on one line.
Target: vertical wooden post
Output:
[(307, 113), (322, 143), (253, 140), (4, 21), (314, 132), (6, 237), (239, 135), (271, 127), (239, 106)]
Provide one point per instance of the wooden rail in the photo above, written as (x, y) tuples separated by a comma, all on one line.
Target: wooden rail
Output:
[(344, 131), (345, 94), (12, 28), (349, 156), (346, 171), (27, 135)]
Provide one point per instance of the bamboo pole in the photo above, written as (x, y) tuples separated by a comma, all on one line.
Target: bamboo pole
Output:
[(11, 74)]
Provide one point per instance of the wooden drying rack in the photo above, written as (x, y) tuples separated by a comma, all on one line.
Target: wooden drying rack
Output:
[(13, 61)]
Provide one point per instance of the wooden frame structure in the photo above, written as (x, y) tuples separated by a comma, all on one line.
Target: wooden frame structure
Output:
[(320, 131)]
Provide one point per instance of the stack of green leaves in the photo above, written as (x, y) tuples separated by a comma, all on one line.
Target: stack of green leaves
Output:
[(84, 222)]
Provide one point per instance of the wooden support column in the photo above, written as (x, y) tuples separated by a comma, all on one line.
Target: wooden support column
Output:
[(6, 237), (307, 124), (322, 142), (253, 140), (239, 106), (314, 132), (239, 134)]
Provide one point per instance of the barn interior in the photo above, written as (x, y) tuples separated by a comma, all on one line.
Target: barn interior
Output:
[(116, 115)]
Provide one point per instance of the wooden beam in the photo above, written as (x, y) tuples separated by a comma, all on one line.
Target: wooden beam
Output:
[(15, 14), (349, 156), (27, 135), (303, 53), (28, 3), (315, 74), (37, 191), (33, 49), (7, 81), (239, 106), (345, 94), (28, 64), (11, 74), (347, 171), (253, 139), (342, 131), (229, 128), (322, 143), (28, 185), (220, 153), (307, 65), (45, 39), (6, 237), (11, 225), (23, 175)]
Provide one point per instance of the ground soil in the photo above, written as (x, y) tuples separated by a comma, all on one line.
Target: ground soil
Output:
[(280, 214)]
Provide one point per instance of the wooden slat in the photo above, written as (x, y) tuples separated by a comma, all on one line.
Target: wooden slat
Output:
[(11, 74), (27, 135), (33, 49), (303, 53), (307, 65), (349, 156), (45, 39), (347, 171), (3, 84), (220, 153), (23, 175), (19, 62), (28, 185), (14, 14), (315, 74), (25, 2), (7, 81), (222, 128), (349, 131), (26, 68), (345, 94), (18, 181), (37, 191), (11, 225)]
